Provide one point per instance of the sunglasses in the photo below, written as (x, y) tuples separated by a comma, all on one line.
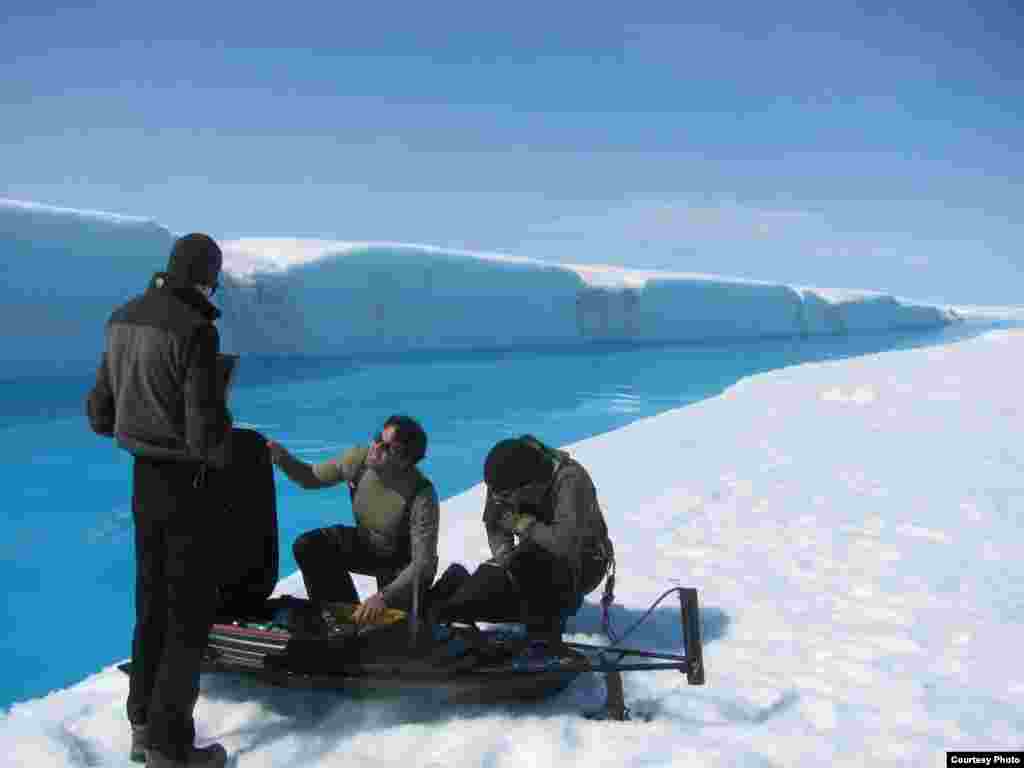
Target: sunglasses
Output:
[(390, 447)]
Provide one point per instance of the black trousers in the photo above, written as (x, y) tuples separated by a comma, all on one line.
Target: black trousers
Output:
[(175, 597), (535, 588), (328, 557)]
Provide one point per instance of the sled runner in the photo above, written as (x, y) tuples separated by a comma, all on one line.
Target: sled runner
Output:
[(285, 646)]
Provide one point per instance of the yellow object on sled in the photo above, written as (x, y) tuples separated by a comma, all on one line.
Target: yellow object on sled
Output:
[(342, 614)]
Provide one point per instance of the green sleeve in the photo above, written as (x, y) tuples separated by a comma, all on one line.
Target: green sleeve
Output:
[(424, 522), (341, 468)]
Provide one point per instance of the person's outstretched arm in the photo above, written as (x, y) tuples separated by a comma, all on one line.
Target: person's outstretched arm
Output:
[(299, 472)]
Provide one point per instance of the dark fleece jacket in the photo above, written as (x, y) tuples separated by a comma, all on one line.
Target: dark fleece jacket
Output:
[(157, 388)]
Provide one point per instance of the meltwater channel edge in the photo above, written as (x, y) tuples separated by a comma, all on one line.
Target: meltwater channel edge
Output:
[(66, 560)]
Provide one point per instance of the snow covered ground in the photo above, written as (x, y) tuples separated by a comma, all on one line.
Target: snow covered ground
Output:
[(854, 529)]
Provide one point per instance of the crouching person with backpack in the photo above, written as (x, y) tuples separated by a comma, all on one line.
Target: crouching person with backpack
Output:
[(548, 539), (396, 513)]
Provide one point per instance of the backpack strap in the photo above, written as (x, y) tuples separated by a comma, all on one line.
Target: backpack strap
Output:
[(421, 485), (353, 484)]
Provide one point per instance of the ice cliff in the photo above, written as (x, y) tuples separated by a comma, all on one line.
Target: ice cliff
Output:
[(62, 271)]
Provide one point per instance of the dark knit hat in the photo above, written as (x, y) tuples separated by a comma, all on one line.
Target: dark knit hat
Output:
[(514, 463), (195, 258)]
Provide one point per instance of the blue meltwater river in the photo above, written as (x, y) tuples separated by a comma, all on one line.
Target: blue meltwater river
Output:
[(66, 558)]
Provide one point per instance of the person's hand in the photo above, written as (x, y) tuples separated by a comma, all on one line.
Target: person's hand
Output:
[(277, 451), (521, 523), (371, 610), (516, 522)]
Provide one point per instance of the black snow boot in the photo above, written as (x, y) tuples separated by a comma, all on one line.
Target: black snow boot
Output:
[(140, 742), (213, 756)]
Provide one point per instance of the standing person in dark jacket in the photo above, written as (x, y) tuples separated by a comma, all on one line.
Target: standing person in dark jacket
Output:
[(157, 393)]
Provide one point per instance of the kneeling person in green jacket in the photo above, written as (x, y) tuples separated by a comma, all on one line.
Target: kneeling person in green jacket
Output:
[(396, 512)]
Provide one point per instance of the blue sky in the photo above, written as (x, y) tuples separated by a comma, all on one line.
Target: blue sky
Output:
[(832, 144)]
